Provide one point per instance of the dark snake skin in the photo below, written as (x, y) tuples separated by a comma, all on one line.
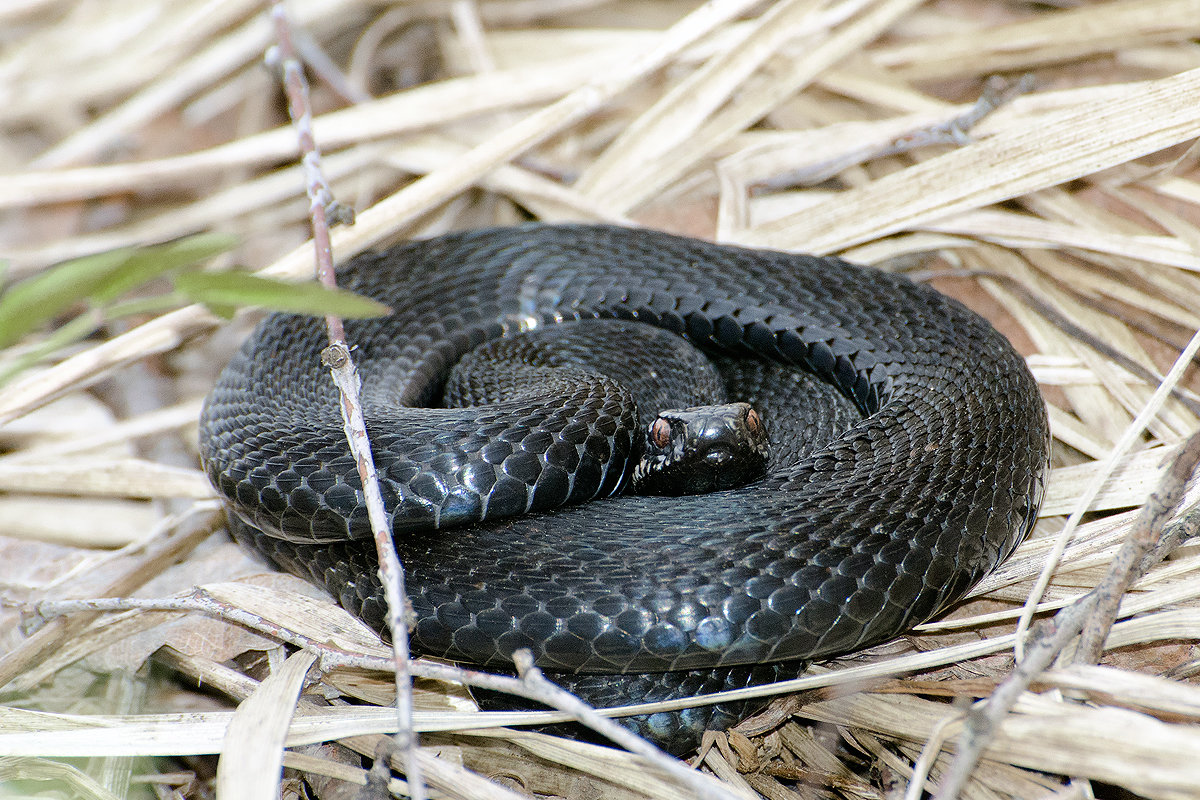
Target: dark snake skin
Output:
[(895, 513)]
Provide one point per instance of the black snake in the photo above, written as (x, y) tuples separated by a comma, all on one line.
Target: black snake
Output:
[(929, 474)]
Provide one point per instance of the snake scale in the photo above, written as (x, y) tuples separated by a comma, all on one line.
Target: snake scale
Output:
[(929, 476)]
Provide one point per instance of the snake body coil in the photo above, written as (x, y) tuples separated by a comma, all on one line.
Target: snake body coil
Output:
[(889, 518)]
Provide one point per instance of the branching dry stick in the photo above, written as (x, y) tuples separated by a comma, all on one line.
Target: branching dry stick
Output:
[(954, 131), (1137, 555), (532, 677), (337, 358), (176, 537), (532, 685), (1126, 440), (1140, 542)]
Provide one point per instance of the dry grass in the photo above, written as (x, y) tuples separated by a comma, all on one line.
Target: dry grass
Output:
[(131, 121)]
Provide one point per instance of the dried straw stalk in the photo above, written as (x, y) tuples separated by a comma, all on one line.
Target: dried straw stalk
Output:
[(126, 123)]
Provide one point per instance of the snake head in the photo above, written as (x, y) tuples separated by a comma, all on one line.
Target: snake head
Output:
[(703, 449)]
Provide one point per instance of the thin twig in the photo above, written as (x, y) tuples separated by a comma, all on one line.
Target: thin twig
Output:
[(531, 676), (337, 358), (333, 656), (453, 780), (941, 732), (1050, 637), (1084, 502), (953, 131), (1137, 545), (531, 684), (324, 67), (176, 537), (198, 600)]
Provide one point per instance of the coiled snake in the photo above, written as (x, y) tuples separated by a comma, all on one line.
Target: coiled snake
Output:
[(921, 484)]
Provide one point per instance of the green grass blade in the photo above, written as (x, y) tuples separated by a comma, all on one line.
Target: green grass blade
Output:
[(97, 279), (28, 305), (147, 263), (242, 289)]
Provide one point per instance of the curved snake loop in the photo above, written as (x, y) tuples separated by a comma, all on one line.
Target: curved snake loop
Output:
[(895, 514)]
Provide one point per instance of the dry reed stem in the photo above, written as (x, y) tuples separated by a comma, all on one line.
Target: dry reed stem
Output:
[(152, 121)]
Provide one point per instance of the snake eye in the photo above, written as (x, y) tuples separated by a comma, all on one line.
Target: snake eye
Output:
[(753, 422), (660, 432)]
